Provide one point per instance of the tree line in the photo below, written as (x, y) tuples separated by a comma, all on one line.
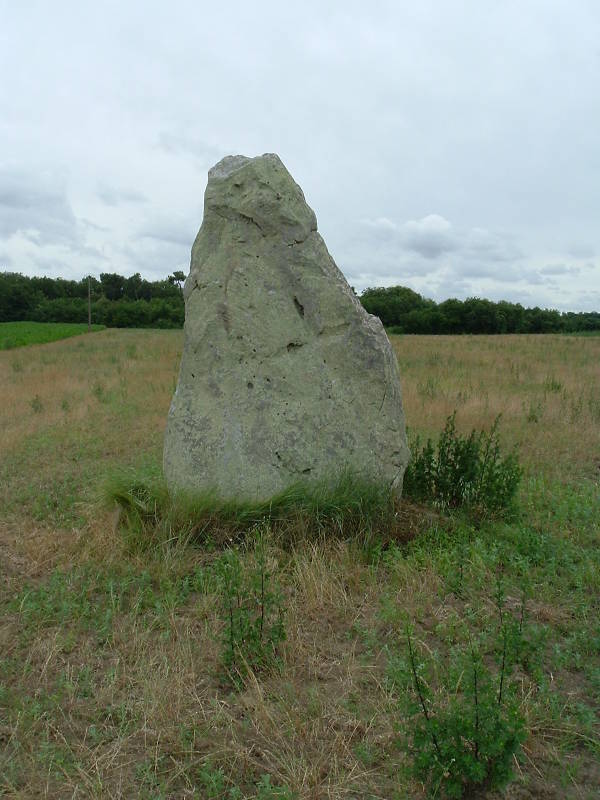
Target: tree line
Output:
[(116, 301), (134, 302), (403, 311)]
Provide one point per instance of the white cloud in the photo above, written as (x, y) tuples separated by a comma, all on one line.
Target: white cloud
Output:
[(431, 236)]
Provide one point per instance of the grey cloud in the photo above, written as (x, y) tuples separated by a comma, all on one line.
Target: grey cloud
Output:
[(581, 250), (560, 269), (420, 247), (554, 269), (181, 144), (49, 263), (112, 196), (172, 231), (503, 273), (516, 295), (433, 236), (155, 257), (430, 236), (56, 259), (487, 246), (587, 301), (94, 225), (37, 207)]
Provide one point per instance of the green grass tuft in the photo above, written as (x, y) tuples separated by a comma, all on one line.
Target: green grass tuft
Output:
[(150, 514)]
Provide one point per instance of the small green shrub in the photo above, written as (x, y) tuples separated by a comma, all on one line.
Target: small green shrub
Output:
[(552, 384), (463, 470), (268, 791), (466, 727), (252, 612), (99, 392), (36, 404), (533, 412)]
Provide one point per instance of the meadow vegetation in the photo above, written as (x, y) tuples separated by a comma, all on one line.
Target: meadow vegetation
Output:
[(20, 334), (159, 647)]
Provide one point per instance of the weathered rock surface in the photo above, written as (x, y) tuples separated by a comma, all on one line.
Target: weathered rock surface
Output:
[(284, 376)]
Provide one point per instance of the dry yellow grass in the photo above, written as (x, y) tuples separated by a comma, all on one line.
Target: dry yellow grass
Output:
[(547, 389), (145, 712), (114, 388)]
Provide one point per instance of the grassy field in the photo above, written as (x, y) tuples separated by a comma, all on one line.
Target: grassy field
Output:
[(112, 682), (19, 334)]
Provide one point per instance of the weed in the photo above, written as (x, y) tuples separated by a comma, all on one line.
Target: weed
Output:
[(252, 611), (466, 726), (552, 384), (36, 404), (99, 393), (268, 791), (428, 389), (533, 412), (463, 470), (213, 783), (594, 408), (54, 758)]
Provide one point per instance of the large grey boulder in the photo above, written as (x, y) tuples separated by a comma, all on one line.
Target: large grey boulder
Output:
[(284, 376)]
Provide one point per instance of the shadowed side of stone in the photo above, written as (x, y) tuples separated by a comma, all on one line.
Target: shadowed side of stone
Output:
[(284, 376)]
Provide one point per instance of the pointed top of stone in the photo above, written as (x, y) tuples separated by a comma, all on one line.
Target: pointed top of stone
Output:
[(226, 166), (230, 164), (262, 191)]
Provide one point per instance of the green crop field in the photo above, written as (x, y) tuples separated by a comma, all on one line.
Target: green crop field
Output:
[(156, 650), (19, 334)]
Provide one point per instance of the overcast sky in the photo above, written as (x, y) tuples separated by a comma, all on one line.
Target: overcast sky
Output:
[(450, 146)]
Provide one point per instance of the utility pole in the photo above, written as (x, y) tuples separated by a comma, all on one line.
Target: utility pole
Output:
[(89, 303)]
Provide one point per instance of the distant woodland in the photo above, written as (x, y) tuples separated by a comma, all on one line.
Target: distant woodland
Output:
[(403, 311), (134, 302), (117, 302)]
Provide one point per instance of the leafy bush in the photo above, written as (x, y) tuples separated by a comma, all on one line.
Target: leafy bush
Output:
[(463, 470), (466, 727)]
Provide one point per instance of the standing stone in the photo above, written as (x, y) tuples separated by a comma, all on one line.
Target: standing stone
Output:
[(284, 376)]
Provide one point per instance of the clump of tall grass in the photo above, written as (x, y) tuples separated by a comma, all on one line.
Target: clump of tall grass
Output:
[(468, 471), (151, 514)]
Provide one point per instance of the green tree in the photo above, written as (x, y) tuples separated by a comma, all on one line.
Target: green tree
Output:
[(177, 278), (113, 285)]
